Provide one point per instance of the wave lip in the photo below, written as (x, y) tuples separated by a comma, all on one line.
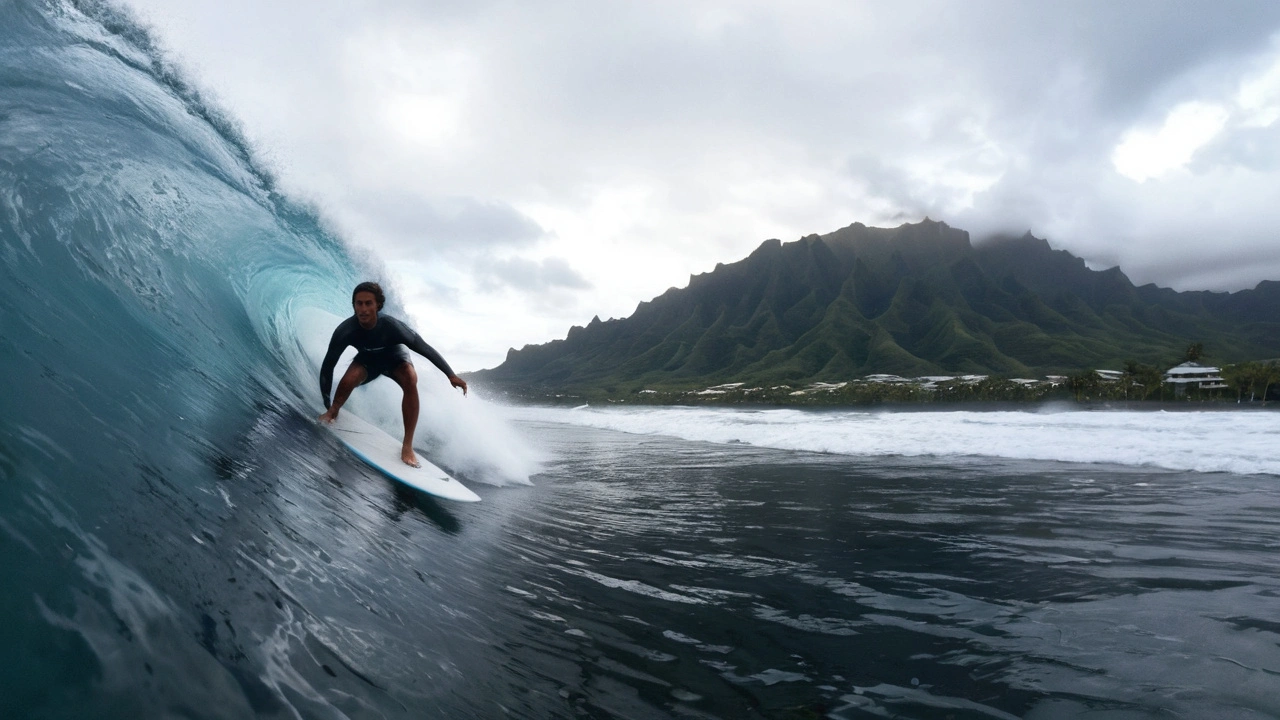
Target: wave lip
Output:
[(1209, 441)]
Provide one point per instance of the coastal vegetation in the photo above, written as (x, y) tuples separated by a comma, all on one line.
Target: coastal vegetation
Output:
[(1247, 383), (1253, 381)]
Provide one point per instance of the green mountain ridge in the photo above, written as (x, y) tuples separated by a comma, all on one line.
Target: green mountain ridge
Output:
[(919, 299)]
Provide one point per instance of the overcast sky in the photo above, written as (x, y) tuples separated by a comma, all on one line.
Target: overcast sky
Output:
[(522, 166)]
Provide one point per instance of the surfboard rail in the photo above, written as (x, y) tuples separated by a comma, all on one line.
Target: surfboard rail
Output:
[(377, 449)]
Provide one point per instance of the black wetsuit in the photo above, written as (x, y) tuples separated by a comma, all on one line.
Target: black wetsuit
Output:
[(378, 349)]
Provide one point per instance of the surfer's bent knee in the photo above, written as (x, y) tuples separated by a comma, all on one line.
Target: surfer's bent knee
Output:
[(410, 372), (356, 373)]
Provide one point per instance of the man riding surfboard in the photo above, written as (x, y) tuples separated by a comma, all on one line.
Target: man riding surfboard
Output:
[(379, 342)]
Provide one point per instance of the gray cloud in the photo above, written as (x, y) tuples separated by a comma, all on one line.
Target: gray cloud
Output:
[(426, 226), (529, 276), (1252, 149)]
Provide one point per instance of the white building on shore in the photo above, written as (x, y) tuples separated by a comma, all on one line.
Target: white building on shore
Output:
[(1194, 375)]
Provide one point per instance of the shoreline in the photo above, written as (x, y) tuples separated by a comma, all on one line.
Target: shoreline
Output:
[(1085, 391), (1047, 405)]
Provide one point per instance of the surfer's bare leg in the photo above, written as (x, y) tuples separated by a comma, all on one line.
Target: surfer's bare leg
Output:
[(351, 380), (407, 378)]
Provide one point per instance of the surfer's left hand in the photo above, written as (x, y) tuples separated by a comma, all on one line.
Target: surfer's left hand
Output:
[(458, 382)]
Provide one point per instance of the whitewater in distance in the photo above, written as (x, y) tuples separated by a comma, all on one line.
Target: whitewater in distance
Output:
[(1219, 439)]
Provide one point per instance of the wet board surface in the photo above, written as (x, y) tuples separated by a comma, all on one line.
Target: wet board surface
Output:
[(382, 452)]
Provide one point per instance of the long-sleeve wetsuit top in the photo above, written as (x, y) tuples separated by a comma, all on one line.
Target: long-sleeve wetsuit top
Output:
[(378, 346)]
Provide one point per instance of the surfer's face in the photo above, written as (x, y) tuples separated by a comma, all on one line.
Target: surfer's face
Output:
[(366, 306)]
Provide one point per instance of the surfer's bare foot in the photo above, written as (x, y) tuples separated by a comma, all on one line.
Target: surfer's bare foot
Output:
[(406, 454), (328, 417)]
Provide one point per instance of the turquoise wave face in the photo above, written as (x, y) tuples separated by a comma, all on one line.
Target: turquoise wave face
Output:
[(150, 278), (151, 271)]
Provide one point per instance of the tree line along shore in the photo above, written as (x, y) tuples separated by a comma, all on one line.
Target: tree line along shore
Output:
[(1253, 383)]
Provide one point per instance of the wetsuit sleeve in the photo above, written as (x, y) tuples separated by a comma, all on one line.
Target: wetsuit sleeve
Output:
[(337, 344), (414, 342)]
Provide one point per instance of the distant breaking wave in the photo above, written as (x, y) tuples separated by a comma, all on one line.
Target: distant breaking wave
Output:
[(1214, 441)]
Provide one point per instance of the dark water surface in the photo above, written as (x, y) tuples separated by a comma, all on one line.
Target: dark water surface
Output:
[(737, 581), (645, 577)]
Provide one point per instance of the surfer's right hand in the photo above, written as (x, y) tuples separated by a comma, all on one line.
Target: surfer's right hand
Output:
[(458, 382)]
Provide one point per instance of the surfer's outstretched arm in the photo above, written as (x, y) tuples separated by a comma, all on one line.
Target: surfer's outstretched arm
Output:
[(414, 342)]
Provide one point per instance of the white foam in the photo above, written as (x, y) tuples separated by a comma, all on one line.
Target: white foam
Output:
[(1202, 441)]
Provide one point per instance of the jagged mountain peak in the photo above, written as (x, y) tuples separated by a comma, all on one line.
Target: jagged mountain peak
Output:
[(919, 298), (1027, 241)]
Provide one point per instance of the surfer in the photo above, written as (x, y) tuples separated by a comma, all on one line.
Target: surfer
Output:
[(378, 341)]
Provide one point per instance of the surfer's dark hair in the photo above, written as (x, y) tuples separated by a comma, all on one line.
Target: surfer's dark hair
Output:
[(370, 287)]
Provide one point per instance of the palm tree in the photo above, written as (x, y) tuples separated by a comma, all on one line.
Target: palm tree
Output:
[(1151, 380), (1269, 375), (1082, 381), (1130, 377), (1195, 351), (1239, 376)]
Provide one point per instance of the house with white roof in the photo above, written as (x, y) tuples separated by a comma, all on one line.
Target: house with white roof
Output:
[(1194, 375)]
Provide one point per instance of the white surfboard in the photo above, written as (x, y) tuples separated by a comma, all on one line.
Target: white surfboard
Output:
[(382, 452)]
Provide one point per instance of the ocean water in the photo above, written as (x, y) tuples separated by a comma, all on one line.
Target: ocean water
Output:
[(178, 538), (732, 580)]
